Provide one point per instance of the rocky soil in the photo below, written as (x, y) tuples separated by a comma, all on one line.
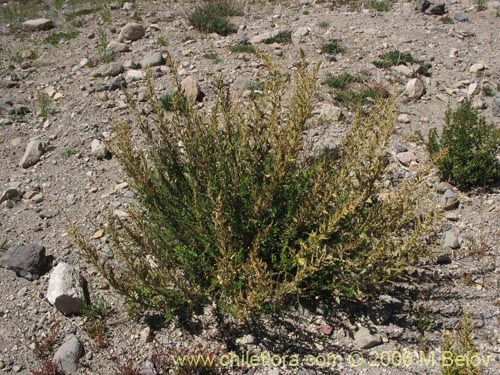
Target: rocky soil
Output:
[(57, 107)]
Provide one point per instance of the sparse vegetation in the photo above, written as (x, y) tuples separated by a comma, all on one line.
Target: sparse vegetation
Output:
[(56, 38), (332, 48), (283, 37), (212, 16), (458, 349), (236, 211), (466, 153), (396, 57), (243, 48)]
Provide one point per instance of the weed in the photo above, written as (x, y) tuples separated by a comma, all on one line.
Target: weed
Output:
[(161, 41), (54, 39), (459, 345), (332, 48), (212, 56), (212, 16), (243, 48), (43, 105), (68, 152), (324, 24), (396, 57), (381, 6), (481, 5), (236, 210), (341, 81), (283, 37), (466, 153)]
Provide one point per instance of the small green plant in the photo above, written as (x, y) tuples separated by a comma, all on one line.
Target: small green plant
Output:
[(458, 347), (332, 48), (55, 39), (161, 41), (212, 56), (243, 48), (324, 24), (481, 5), (396, 57), (466, 154), (43, 105), (381, 6), (235, 210), (341, 81), (68, 152), (212, 16), (283, 37)]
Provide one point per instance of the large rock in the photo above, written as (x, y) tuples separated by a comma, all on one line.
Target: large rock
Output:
[(109, 70), (415, 88), (29, 261), (152, 58), (68, 354), (190, 89), (34, 151), (495, 106), (66, 289), (38, 24), (132, 31)]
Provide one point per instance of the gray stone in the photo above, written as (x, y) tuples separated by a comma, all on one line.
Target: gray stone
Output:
[(366, 339), (98, 149), (406, 158), (68, 354), (38, 24), (190, 89), (34, 151), (29, 261), (10, 194), (415, 88), (461, 17), (152, 58), (495, 105), (66, 289), (109, 70), (132, 32), (451, 240), (450, 200), (117, 47)]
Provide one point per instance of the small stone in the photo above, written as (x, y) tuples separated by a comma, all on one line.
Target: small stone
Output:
[(451, 240), (478, 67), (415, 89), (152, 58), (68, 354), (29, 261), (98, 149), (109, 70), (38, 24), (450, 200), (117, 47), (366, 339), (10, 194), (406, 158), (461, 17), (65, 290), (34, 151), (404, 118), (190, 89), (132, 32)]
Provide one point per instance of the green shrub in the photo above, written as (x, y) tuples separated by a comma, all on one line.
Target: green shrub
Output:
[(394, 58), (212, 16), (466, 154), (236, 210)]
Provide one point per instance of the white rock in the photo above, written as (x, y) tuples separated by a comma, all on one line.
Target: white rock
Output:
[(65, 289)]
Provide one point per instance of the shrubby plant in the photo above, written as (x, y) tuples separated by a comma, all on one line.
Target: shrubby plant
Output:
[(234, 208), (467, 152)]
